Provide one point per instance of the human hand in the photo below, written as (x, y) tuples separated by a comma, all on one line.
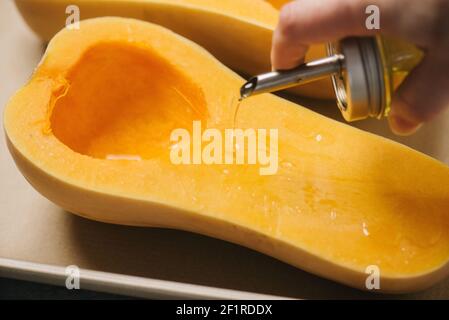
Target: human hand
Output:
[(424, 93)]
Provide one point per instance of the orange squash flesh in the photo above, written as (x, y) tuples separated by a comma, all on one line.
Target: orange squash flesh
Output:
[(132, 80), (90, 131), (278, 3)]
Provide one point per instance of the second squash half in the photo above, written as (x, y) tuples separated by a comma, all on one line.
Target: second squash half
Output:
[(237, 32)]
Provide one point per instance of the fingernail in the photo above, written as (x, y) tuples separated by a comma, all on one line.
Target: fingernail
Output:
[(401, 126)]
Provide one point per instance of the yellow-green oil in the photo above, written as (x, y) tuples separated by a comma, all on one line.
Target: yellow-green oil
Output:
[(399, 58)]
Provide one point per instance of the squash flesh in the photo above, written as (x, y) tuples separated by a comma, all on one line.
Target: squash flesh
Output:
[(278, 3), (120, 103), (339, 203)]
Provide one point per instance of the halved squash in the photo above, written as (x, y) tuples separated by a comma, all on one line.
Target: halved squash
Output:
[(91, 132), (278, 3), (237, 32)]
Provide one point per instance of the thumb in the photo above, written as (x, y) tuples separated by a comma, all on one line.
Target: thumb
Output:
[(422, 95), (304, 22)]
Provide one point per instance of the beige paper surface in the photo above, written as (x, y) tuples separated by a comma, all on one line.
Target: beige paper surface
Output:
[(33, 229)]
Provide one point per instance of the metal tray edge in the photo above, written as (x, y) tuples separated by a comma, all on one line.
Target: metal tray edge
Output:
[(134, 286)]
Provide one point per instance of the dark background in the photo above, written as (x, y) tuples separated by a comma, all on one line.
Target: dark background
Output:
[(18, 289)]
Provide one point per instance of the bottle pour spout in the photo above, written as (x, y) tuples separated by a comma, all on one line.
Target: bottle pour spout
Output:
[(307, 72)]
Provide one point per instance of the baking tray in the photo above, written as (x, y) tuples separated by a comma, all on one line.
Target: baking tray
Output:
[(38, 239)]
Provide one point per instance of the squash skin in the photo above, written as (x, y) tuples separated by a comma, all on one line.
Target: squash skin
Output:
[(245, 28), (125, 203)]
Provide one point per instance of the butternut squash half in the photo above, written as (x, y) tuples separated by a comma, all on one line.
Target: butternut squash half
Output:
[(91, 132), (237, 32), (278, 3)]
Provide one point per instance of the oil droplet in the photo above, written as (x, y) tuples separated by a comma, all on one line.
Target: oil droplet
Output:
[(333, 215), (239, 188), (226, 171), (287, 164), (365, 229), (318, 137)]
